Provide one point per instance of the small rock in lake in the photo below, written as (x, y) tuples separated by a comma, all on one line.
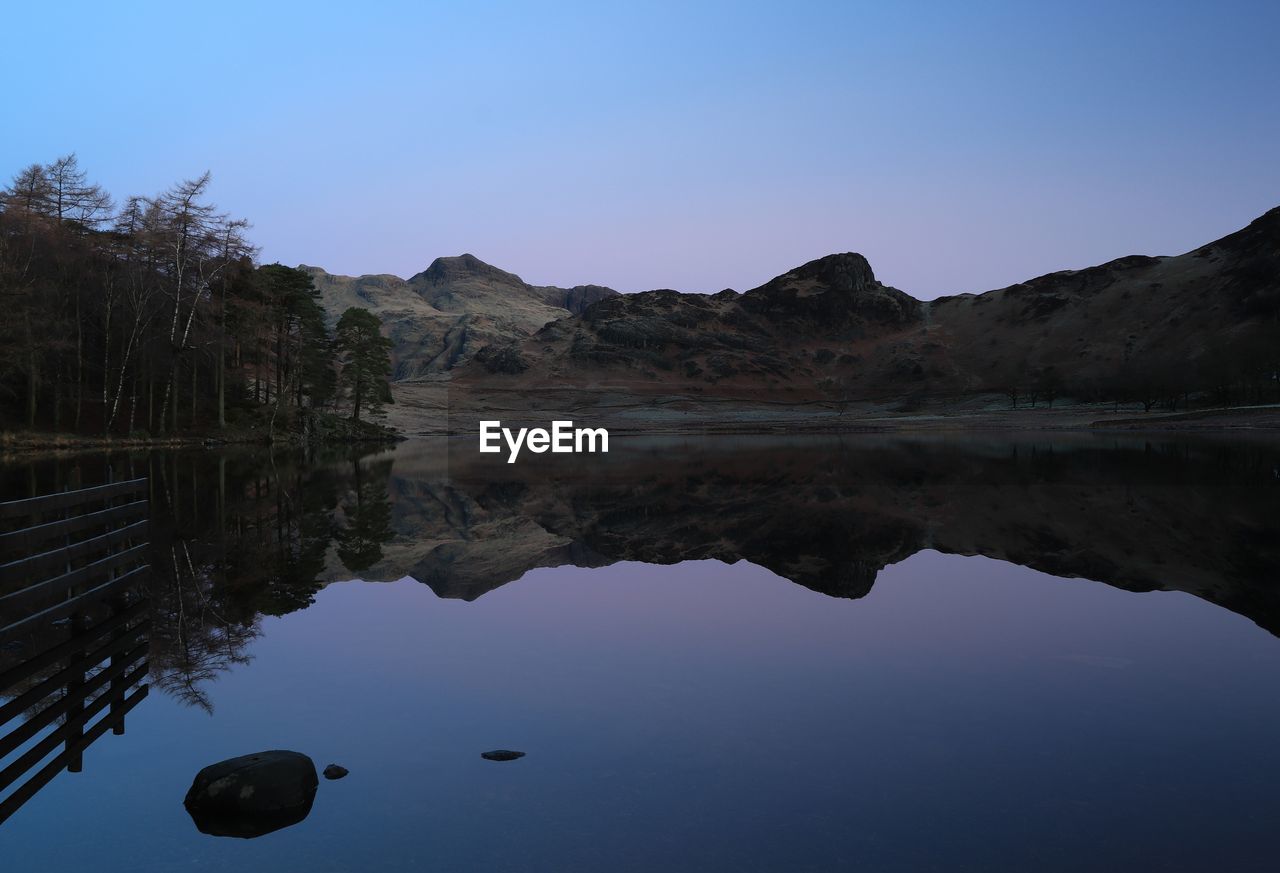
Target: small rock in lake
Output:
[(335, 771), (501, 755)]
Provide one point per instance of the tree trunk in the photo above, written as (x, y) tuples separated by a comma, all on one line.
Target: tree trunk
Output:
[(222, 358), (195, 384), (33, 384), (57, 398), (170, 405), (133, 408), (222, 504), (279, 360), (108, 418), (79, 365)]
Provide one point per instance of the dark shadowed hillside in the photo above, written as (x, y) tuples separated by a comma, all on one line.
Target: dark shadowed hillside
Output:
[(1153, 330)]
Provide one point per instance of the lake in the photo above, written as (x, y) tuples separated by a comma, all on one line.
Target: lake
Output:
[(996, 653)]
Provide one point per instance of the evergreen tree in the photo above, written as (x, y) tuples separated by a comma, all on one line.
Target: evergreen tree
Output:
[(364, 361), (295, 335)]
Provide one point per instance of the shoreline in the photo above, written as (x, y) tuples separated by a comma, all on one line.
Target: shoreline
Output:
[(1260, 422), (13, 444), (1240, 421), (441, 408)]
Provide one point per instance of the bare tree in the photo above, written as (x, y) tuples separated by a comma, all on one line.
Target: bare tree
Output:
[(71, 197)]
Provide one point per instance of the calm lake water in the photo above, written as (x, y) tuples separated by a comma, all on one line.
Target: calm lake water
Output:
[(1017, 653)]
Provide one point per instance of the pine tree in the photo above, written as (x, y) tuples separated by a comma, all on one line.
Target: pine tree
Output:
[(364, 360)]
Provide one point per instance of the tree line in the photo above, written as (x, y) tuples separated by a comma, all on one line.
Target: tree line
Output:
[(1241, 370), (152, 318)]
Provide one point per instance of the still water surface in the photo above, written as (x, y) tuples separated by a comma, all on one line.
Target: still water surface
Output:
[(721, 655)]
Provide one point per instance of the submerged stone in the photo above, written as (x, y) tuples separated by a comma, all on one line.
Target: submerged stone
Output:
[(501, 755), (335, 771), (252, 795)]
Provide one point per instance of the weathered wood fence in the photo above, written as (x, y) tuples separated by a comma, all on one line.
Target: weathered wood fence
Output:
[(74, 628)]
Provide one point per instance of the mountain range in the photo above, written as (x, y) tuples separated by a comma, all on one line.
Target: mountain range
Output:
[(829, 332)]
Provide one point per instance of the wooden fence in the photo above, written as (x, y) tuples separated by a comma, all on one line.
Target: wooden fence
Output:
[(74, 628)]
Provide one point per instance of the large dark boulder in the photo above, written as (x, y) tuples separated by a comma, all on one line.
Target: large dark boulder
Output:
[(252, 795)]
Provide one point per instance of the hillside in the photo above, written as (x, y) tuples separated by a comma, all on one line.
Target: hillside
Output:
[(1186, 320), (1138, 328)]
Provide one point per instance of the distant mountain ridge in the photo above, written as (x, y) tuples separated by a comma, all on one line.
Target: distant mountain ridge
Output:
[(829, 331)]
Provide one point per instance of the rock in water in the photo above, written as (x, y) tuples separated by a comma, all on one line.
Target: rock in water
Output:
[(335, 771), (501, 755), (252, 795)]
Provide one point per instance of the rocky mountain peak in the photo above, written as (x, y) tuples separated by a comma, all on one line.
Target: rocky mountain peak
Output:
[(446, 271), (847, 271), (838, 292)]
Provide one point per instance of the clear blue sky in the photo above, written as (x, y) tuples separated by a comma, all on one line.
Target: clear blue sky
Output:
[(959, 146)]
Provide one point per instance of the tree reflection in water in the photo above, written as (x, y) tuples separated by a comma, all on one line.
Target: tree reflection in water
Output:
[(234, 536), (258, 543)]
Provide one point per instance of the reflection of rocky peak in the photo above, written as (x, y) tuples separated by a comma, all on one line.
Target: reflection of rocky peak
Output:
[(829, 516)]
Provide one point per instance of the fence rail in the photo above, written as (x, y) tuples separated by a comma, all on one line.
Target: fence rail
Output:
[(70, 499), (74, 607)]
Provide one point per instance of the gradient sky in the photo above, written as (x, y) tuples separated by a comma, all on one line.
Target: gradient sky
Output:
[(688, 145)]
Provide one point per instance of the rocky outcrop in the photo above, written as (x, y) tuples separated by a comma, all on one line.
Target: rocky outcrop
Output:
[(501, 755), (836, 297), (575, 299)]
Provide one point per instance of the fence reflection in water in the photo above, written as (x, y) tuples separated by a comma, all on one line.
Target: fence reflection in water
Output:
[(74, 628)]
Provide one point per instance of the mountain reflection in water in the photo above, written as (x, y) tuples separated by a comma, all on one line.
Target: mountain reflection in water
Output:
[(830, 514), (239, 536)]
